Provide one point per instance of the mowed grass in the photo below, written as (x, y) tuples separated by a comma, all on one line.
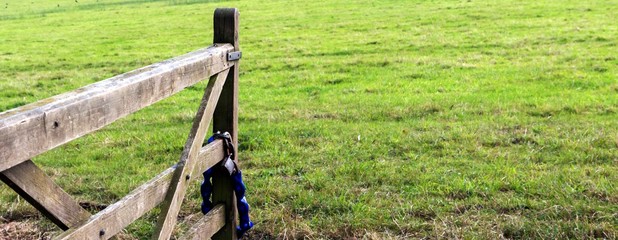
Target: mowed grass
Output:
[(372, 119)]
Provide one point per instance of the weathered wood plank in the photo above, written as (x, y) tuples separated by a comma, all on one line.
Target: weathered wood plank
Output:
[(178, 187), (209, 156), (208, 225), (226, 25), (35, 128), (117, 216), (30, 182)]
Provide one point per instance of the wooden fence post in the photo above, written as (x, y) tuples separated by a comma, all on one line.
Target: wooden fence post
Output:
[(225, 118)]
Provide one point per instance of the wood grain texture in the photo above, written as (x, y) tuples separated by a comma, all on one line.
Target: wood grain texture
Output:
[(226, 113), (119, 215), (30, 182), (208, 225), (175, 195), (226, 26), (35, 128)]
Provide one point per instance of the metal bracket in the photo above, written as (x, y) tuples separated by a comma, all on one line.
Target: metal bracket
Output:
[(233, 56)]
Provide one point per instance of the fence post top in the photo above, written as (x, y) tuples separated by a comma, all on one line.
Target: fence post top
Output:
[(226, 11), (226, 26)]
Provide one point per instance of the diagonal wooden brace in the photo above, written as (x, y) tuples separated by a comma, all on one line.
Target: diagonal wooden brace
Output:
[(178, 187), (31, 183)]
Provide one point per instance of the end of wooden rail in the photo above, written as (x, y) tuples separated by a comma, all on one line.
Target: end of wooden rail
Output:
[(208, 225)]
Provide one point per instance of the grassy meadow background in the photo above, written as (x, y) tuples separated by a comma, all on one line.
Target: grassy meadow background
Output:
[(367, 119)]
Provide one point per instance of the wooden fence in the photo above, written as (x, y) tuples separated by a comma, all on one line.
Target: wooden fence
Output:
[(33, 129)]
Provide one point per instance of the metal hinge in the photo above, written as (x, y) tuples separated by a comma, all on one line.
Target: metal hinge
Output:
[(233, 56)]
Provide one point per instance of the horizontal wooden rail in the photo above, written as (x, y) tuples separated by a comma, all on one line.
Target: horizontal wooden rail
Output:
[(117, 216), (208, 225), (35, 128)]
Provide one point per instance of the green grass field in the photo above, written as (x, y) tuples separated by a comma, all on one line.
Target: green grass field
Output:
[(368, 119)]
